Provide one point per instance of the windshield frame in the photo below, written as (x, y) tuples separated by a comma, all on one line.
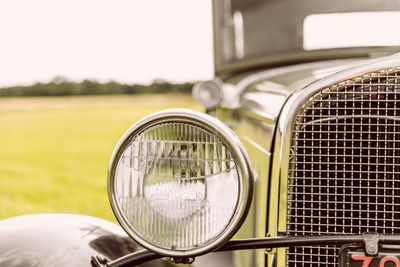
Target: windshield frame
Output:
[(226, 69)]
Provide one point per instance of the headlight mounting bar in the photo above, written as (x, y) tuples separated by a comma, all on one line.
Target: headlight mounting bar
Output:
[(142, 256)]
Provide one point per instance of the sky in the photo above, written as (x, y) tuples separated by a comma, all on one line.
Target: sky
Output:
[(130, 41)]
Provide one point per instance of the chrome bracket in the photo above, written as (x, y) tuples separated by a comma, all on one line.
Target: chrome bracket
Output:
[(99, 261), (182, 260), (270, 250), (371, 241)]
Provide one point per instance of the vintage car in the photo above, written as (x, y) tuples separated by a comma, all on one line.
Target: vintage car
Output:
[(295, 163)]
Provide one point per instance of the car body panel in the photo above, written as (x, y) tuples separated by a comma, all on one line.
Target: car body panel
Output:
[(62, 240), (264, 98)]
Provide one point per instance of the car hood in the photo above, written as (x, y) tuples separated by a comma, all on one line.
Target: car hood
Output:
[(265, 92)]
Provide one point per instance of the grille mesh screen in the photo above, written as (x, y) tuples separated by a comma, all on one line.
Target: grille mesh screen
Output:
[(344, 173)]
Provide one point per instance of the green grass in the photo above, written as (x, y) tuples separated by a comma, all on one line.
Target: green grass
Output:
[(54, 152)]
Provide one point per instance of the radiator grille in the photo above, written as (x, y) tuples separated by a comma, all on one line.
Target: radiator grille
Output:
[(344, 173)]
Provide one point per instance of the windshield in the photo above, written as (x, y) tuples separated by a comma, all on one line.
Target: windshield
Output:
[(246, 31)]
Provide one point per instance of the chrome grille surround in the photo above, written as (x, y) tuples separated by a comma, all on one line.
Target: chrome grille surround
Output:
[(345, 163)]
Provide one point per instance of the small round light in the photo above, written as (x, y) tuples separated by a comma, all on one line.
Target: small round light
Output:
[(180, 182), (208, 93)]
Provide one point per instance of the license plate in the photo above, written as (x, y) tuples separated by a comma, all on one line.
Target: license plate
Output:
[(355, 257)]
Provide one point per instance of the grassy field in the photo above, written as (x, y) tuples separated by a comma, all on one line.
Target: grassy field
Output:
[(54, 151)]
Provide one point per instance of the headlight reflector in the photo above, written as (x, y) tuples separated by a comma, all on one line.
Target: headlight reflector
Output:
[(179, 182)]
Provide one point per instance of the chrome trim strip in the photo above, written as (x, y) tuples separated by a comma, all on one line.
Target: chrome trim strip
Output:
[(303, 125), (230, 140), (250, 141), (239, 38)]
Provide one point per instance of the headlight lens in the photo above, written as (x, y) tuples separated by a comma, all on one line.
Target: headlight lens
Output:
[(179, 182)]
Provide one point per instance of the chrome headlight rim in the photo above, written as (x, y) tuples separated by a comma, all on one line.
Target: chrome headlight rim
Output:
[(229, 140)]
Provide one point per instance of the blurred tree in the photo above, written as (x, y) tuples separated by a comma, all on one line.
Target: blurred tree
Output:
[(63, 86)]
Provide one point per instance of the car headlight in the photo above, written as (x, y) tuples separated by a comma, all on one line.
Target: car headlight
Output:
[(180, 183)]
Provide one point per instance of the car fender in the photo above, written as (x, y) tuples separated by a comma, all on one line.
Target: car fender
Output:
[(62, 240)]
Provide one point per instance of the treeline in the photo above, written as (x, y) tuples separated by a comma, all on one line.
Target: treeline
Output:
[(60, 86)]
